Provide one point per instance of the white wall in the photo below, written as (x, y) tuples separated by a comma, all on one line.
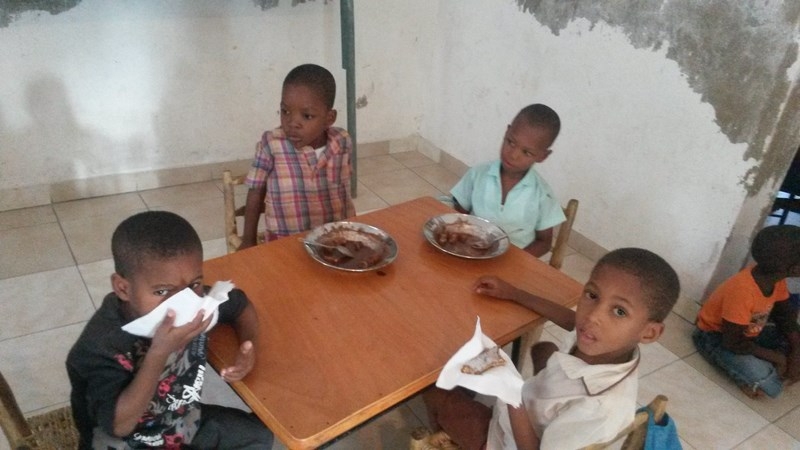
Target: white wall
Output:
[(110, 87), (119, 87), (639, 147)]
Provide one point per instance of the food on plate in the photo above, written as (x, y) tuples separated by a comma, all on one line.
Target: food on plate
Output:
[(463, 237), (488, 358), (367, 249)]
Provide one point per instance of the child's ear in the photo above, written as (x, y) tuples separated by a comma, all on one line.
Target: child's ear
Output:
[(331, 117), (121, 286), (651, 332)]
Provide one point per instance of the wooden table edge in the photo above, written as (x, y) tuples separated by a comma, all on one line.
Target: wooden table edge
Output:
[(359, 417)]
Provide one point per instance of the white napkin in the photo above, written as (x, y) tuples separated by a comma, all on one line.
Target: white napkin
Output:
[(503, 382), (186, 304)]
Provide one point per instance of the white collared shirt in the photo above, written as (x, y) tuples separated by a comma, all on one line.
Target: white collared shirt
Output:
[(572, 404)]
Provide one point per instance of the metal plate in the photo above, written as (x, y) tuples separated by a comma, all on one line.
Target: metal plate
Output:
[(480, 228), (373, 238)]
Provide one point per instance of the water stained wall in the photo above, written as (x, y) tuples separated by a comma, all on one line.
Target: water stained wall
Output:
[(11, 10), (736, 54)]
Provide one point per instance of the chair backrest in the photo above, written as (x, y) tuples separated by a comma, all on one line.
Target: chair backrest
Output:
[(564, 230), (636, 433), (50, 430), (11, 419), (229, 183)]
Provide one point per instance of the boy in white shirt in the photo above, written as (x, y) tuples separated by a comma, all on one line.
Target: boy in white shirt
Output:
[(584, 393)]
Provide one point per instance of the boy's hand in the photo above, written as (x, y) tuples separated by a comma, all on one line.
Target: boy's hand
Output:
[(169, 338), (245, 360), (778, 359), (793, 367), (495, 287)]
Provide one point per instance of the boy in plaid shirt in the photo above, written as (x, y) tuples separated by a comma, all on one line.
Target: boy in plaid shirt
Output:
[(300, 175)]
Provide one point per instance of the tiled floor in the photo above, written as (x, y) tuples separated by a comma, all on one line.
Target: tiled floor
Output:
[(55, 266)]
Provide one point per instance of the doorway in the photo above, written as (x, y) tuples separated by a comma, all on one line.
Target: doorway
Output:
[(786, 207)]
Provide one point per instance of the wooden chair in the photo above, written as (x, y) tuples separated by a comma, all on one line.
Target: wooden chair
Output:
[(634, 435), (51, 430), (564, 230), (232, 238), (556, 260)]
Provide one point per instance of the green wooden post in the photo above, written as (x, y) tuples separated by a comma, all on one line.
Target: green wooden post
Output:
[(349, 65)]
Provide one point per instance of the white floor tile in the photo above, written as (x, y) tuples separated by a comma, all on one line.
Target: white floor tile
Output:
[(770, 437), (392, 430), (790, 423), (26, 217), (33, 249), (706, 416), (677, 336), (377, 164), (653, 357), (89, 237), (578, 267), (34, 366), (367, 200), (97, 277), (686, 308), (206, 215), (413, 159), (214, 248), (769, 408), (399, 186), (185, 194), (99, 206), (217, 392), (30, 302)]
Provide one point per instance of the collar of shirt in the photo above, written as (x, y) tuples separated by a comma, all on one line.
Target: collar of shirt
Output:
[(494, 171), (597, 378), (333, 147)]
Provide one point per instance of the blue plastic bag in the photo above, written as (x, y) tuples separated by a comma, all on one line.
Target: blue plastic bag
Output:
[(662, 435)]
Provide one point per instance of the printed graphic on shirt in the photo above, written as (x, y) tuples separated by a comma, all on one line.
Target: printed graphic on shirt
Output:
[(757, 322), (173, 414)]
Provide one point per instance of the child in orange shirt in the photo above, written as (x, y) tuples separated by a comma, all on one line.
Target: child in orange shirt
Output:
[(747, 326)]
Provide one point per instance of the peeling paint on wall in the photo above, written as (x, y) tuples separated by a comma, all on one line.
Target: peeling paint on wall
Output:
[(11, 10), (267, 4), (736, 54)]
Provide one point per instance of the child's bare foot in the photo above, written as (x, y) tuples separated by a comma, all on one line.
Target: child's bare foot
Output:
[(752, 392)]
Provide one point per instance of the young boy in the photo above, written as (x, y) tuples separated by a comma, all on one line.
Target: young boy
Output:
[(747, 326), (509, 192), (135, 392), (584, 393), (300, 176)]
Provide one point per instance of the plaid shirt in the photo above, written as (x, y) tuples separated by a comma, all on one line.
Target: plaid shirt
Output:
[(302, 191)]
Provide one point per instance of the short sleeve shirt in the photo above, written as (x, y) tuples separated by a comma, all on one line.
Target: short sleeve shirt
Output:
[(104, 361), (530, 206), (304, 190), (572, 404), (739, 300)]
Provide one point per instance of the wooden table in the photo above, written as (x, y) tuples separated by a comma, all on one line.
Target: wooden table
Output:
[(337, 348)]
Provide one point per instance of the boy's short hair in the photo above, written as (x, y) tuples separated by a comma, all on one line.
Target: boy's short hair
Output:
[(659, 280), (315, 77), (776, 248), (539, 115), (151, 235)]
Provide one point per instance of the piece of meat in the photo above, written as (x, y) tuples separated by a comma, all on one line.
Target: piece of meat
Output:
[(485, 360)]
